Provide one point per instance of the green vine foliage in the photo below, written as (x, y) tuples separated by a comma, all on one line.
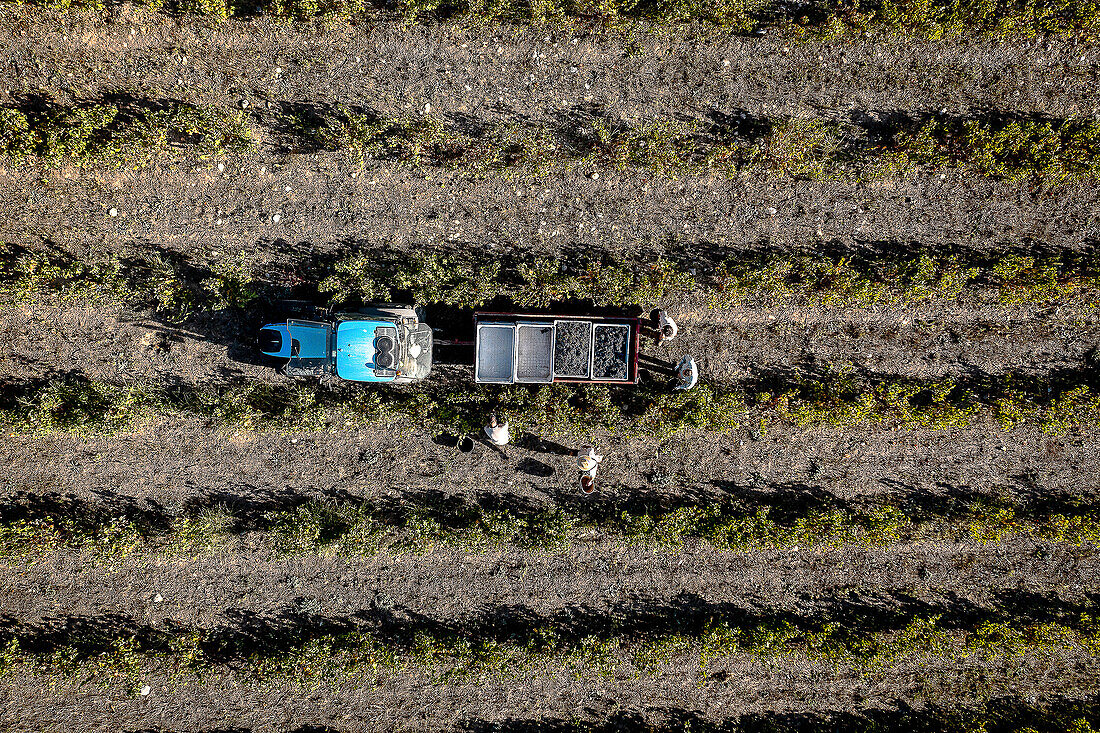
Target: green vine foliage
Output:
[(110, 135), (830, 19)]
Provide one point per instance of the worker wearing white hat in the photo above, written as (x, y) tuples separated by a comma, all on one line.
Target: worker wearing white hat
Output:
[(666, 327), (497, 431), (687, 374), (587, 463)]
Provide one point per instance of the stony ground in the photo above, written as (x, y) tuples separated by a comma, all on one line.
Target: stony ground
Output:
[(487, 74)]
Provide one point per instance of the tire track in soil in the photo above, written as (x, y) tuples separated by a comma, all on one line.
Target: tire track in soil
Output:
[(924, 342), (112, 344), (627, 214), (525, 72), (173, 463), (452, 583)]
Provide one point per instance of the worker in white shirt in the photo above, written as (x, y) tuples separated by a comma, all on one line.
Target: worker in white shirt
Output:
[(662, 328), (497, 430), (587, 463), (684, 375), (666, 327), (687, 374)]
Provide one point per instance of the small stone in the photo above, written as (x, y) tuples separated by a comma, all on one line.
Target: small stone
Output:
[(221, 167), (276, 218), (146, 690), (660, 476), (725, 62), (244, 104), (595, 176), (113, 212), (427, 108), (288, 189), (158, 598), (772, 210)]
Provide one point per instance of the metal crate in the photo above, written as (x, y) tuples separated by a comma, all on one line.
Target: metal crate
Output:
[(625, 371), (534, 352), (564, 339), (495, 354)]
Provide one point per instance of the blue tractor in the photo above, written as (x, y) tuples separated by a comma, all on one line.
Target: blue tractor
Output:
[(381, 343)]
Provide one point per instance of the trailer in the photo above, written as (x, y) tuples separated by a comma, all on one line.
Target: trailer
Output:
[(516, 348)]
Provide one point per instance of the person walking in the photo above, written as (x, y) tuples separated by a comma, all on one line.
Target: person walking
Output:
[(666, 327), (684, 375), (587, 463), (662, 328), (687, 374), (497, 430)]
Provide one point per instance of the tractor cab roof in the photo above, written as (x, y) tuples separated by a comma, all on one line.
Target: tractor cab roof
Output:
[(367, 351)]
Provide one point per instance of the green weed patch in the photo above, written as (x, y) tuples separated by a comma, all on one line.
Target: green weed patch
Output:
[(178, 289), (1050, 151), (1016, 149), (165, 284), (833, 19), (843, 398), (470, 281)]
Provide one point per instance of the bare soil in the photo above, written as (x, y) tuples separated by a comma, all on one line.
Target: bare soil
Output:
[(328, 204)]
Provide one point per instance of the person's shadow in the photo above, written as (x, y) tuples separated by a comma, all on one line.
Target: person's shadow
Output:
[(527, 441), (532, 442), (655, 365), (533, 467), (465, 443)]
